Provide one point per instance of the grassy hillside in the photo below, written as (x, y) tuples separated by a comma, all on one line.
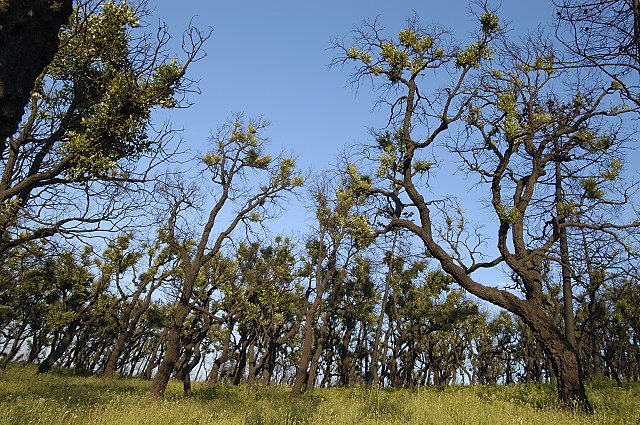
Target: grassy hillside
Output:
[(58, 398)]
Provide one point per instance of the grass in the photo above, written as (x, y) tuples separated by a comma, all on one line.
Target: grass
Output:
[(58, 398)]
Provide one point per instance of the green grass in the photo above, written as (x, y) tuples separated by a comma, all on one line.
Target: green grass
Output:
[(58, 398)]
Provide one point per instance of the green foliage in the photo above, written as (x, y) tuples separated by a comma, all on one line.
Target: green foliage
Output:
[(511, 215), (473, 54), (414, 50), (97, 77), (480, 50), (490, 23), (266, 275), (88, 123), (590, 187), (588, 140), (351, 194), (566, 208), (613, 171), (240, 145), (507, 103), (392, 147), (417, 49)]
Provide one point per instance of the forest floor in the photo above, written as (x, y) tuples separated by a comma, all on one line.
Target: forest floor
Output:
[(58, 398)]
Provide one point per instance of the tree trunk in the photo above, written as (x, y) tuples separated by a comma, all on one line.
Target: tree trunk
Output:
[(37, 343), (372, 379), (270, 358), (567, 292), (15, 347), (327, 376), (223, 358), (321, 280), (154, 357), (172, 352), (28, 42), (307, 346), (60, 349), (315, 360), (242, 360), (114, 355), (188, 366), (564, 361), (254, 365), (345, 356)]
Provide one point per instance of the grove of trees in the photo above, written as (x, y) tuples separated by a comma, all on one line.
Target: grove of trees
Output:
[(116, 262)]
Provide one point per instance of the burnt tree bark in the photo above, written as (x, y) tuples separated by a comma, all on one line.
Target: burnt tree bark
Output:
[(28, 41)]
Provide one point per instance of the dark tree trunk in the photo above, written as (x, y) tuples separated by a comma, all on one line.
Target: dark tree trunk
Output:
[(57, 352), (567, 291), (37, 343), (372, 379), (128, 321), (564, 360), (321, 280), (345, 356), (28, 42), (315, 360), (185, 371), (155, 358), (242, 360), (328, 375), (112, 360), (172, 352), (307, 346), (254, 366), (15, 347), (269, 362)]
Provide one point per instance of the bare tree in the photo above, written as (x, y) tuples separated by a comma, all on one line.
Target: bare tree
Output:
[(603, 34)]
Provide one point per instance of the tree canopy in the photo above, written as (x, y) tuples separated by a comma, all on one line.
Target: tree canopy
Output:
[(395, 282)]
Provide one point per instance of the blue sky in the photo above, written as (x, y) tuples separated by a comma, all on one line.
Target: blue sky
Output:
[(271, 58)]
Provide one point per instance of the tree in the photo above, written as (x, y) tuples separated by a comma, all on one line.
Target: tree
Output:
[(237, 156), (87, 125), (496, 351), (329, 253), (269, 303), (132, 301), (78, 296), (372, 377), (25, 279), (356, 297), (28, 41), (509, 116)]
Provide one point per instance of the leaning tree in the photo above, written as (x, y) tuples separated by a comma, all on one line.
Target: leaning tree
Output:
[(513, 121)]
